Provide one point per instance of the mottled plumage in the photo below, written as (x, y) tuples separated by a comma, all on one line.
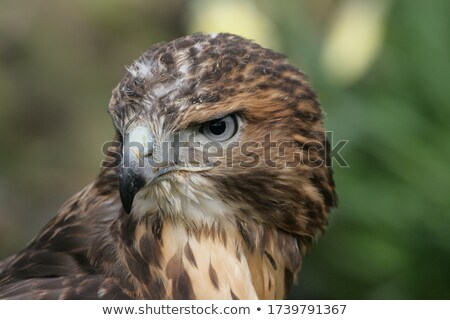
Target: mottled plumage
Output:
[(236, 229)]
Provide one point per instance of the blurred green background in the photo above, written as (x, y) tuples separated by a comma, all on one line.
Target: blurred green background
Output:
[(381, 69)]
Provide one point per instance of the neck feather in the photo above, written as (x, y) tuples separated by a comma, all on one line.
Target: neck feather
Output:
[(169, 260)]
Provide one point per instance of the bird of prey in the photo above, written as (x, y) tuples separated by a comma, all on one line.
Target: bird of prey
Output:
[(217, 184)]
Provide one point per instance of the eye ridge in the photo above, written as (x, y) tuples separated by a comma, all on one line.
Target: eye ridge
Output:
[(220, 129)]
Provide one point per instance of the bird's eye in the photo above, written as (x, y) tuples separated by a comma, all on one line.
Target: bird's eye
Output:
[(220, 129)]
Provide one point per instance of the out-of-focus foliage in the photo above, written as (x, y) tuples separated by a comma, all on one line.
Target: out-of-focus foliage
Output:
[(390, 236)]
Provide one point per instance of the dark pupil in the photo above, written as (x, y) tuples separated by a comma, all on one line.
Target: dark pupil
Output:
[(217, 127)]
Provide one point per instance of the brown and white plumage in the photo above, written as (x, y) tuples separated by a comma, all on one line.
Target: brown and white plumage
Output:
[(236, 229)]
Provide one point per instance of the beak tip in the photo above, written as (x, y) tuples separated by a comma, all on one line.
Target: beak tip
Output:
[(130, 182), (126, 205)]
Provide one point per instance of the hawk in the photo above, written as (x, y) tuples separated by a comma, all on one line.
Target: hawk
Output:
[(217, 184)]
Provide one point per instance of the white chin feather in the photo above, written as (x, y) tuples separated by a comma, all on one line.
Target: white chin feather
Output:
[(188, 198)]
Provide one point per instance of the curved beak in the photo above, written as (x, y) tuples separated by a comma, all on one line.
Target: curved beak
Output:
[(132, 175), (142, 163), (130, 182)]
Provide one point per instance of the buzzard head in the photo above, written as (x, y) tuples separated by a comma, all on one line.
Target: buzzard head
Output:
[(217, 129)]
